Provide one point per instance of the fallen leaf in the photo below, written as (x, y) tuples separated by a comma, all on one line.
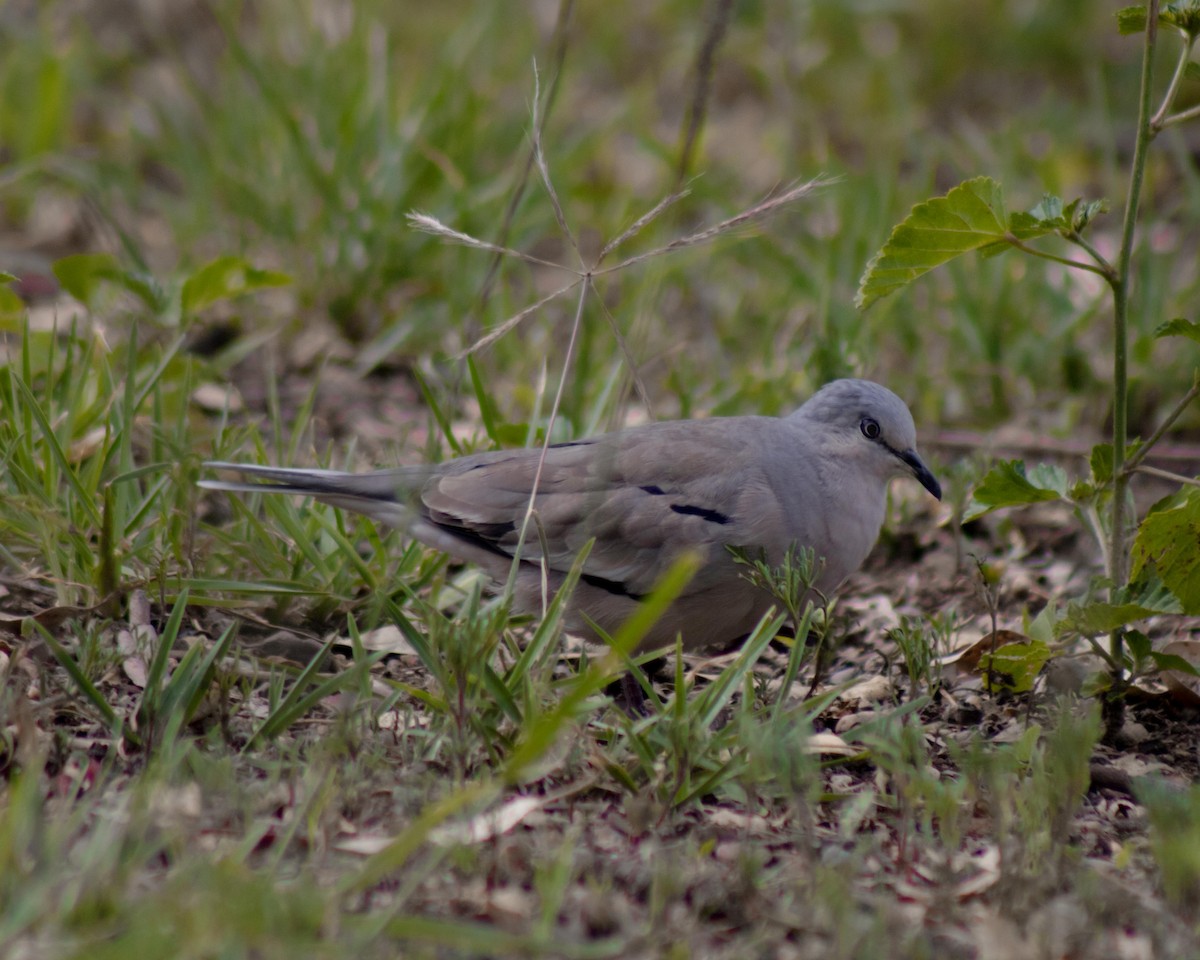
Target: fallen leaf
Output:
[(491, 823), (49, 618), (387, 638), (1184, 687), (872, 690), (217, 398), (830, 744)]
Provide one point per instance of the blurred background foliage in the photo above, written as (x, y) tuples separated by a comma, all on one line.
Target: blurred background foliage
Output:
[(298, 134)]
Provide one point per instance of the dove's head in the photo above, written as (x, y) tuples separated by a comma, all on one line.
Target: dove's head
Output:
[(871, 426)]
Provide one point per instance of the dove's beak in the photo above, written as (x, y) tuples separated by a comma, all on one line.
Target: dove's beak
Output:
[(921, 472)]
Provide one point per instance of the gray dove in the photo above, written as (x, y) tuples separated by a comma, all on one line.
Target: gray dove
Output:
[(646, 495)]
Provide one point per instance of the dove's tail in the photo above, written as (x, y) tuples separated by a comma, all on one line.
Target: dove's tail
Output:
[(384, 495)]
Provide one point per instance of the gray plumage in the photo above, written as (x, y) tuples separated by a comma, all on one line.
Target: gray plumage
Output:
[(647, 495)]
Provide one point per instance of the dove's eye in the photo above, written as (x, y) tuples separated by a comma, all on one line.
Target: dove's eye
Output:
[(870, 428)]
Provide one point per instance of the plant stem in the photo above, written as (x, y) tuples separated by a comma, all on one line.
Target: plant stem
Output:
[(1169, 475), (1189, 114), (1105, 267), (1159, 120), (1140, 454), (1118, 564), (1065, 261)]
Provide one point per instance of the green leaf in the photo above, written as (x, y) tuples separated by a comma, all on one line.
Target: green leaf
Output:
[(1179, 327), (1050, 210), (10, 303), (1138, 644), (7, 277), (1084, 213), (1192, 70), (1169, 541), (1171, 661), (1149, 591), (1183, 16), (1131, 20), (969, 217), (82, 273), (1041, 628), (1018, 664), (224, 279), (1008, 485), (1096, 685), (1099, 617), (489, 413), (516, 434), (1102, 463), (1053, 216)]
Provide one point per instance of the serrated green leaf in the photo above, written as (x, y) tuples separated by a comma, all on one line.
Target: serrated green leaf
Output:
[(1094, 619), (1049, 477), (1083, 491), (1169, 542), (1053, 216), (81, 274), (1084, 213), (970, 217), (1149, 591), (225, 278), (1018, 663), (1102, 463), (1183, 16), (1008, 485), (1179, 327), (1131, 20), (1049, 210)]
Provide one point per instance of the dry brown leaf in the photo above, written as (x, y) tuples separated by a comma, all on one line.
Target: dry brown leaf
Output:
[(966, 659), (49, 618), (1183, 687)]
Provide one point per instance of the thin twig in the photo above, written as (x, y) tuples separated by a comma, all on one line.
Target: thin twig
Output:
[(1065, 261), (1189, 114), (1140, 454), (1168, 475), (1158, 121), (1078, 239)]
